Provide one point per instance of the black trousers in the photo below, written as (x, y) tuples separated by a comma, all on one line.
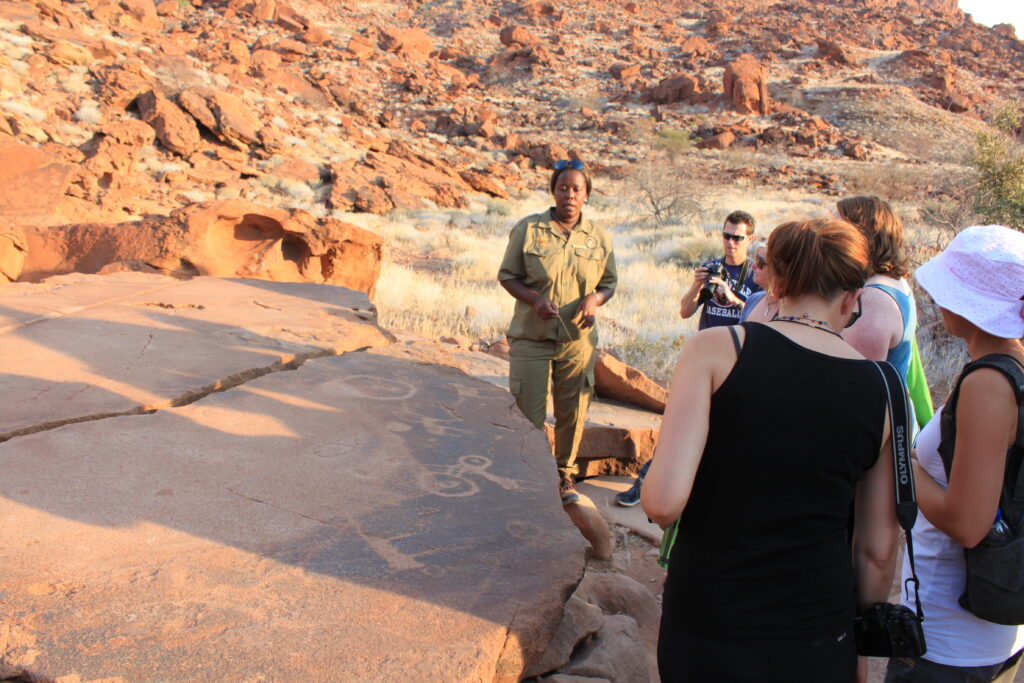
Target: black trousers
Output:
[(688, 657)]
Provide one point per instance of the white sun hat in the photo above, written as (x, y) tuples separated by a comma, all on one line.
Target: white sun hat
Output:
[(980, 277)]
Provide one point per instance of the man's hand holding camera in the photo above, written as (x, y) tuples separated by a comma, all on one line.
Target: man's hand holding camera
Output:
[(712, 285)]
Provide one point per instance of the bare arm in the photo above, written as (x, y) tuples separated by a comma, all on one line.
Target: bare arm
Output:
[(688, 304), (877, 530), (880, 327), (705, 360), (986, 423)]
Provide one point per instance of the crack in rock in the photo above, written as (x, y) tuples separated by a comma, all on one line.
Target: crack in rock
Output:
[(190, 396)]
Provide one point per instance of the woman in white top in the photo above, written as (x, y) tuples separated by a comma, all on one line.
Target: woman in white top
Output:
[(978, 282)]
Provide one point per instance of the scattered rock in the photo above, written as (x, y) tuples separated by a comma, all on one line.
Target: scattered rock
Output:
[(622, 382), (833, 52), (32, 180), (175, 129), (678, 88), (619, 594), (579, 621), (722, 140), (13, 250), (517, 35), (616, 653)]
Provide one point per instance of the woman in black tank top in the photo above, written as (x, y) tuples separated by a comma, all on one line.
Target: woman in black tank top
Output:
[(772, 431)]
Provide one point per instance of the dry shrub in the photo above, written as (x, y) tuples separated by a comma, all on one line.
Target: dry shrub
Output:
[(663, 192), (900, 181)]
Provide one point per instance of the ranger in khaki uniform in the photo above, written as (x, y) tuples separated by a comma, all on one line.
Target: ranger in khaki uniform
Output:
[(560, 267)]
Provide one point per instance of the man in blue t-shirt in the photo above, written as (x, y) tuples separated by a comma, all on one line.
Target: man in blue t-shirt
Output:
[(724, 298), (722, 306)]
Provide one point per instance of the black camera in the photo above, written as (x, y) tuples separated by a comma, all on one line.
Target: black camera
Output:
[(708, 290), (887, 630)]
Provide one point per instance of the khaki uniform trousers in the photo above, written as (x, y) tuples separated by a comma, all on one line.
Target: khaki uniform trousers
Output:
[(569, 366)]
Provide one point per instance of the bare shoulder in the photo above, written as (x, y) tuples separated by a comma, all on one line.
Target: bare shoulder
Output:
[(989, 385), (883, 308)]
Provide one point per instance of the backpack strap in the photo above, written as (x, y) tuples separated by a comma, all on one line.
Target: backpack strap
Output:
[(1013, 481)]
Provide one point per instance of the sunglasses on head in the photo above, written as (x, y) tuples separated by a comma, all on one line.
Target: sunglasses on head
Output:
[(733, 238), (856, 314), (574, 164)]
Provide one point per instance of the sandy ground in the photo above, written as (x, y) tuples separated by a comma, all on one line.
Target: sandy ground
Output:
[(636, 556)]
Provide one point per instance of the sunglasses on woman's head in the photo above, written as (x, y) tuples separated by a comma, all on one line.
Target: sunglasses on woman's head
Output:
[(733, 238), (574, 164)]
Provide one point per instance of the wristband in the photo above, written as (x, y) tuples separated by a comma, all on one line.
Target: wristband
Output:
[(600, 297)]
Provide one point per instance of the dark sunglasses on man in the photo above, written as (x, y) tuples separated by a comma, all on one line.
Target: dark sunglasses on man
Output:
[(733, 238), (574, 164)]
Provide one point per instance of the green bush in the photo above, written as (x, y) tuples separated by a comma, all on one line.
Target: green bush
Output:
[(999, 163)]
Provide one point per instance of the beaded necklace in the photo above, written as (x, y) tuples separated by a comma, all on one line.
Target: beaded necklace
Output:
[(822, 325)]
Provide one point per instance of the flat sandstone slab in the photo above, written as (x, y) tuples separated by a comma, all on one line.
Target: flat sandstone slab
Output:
[(78, 347), (369, 516)]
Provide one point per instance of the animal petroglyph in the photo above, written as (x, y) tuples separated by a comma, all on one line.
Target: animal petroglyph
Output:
[(451, 481)]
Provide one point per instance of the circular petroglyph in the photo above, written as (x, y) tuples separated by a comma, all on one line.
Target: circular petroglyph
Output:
[(446, 485), (475, 462), (377, 388)]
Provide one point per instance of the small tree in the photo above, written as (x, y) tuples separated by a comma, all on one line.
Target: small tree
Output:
[(999, 163)]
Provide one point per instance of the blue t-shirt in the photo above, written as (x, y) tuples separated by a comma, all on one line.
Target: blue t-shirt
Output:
[(715, 312)]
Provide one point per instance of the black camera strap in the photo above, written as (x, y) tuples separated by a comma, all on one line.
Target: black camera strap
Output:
[(903, 473)]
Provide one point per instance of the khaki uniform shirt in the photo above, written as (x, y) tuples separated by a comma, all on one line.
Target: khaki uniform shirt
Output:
[(564, 268)]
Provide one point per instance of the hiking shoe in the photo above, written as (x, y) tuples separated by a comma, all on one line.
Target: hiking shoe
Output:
[(630, 496), (567, 490)]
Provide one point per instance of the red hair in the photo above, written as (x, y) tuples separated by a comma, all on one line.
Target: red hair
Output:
[(822, 257)]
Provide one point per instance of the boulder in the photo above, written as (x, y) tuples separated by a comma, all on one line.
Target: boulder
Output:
[(67, 53), (33, 181), (722, 140), (697, 46), (233, 238), (620, 381), (626, 74), (413, 42), (144, 12), (678, 88), (579, 621), (620, 594), (745, 84), (13, 250), (958, 103), (517, 35), (205, 433), (831, 51), (175, 129), (225, 115), (616, 653), (482, 181)]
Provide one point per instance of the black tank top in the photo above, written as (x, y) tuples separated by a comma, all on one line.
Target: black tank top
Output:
[(761, 550)]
